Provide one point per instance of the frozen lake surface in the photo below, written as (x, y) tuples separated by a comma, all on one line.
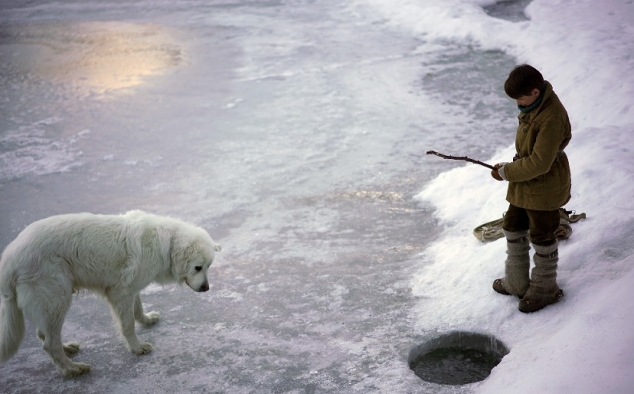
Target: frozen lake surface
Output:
[(295, 132)]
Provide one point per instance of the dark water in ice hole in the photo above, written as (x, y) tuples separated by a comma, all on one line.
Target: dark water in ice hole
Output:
[(457, 358), (302, 308), (454, 365)]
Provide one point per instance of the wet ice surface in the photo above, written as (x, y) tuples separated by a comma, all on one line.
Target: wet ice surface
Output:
[(294, 132)]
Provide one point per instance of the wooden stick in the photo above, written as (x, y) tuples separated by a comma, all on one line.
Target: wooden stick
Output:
[(464, 158)]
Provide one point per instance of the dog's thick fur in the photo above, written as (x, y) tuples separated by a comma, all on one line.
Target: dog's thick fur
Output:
[(115, 256)]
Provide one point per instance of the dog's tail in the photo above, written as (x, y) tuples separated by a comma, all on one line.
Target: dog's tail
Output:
[(11, 327)]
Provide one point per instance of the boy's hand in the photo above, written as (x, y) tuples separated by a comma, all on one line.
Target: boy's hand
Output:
[(495, 174)]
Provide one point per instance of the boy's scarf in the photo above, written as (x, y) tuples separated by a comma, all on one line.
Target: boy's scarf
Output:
[(535, 103)]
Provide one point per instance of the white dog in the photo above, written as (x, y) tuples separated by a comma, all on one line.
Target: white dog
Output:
[(114, 255)]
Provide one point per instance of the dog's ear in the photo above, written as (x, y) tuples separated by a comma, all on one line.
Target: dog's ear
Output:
[(217, 247), (186, 253), (181, 252)]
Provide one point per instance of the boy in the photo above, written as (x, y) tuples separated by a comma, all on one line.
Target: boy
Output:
[(539, 184)]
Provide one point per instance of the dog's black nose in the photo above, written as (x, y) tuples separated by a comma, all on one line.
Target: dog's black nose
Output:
[(204, 287)]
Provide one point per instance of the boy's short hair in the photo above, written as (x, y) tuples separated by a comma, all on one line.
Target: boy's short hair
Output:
[(522, 80)]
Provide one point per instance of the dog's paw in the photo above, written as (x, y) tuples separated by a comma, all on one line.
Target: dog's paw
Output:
[(143, 348), (76, 369), (71, 348), (151, 318)]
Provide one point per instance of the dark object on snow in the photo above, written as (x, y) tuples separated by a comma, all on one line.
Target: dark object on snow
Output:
[(490, 231)]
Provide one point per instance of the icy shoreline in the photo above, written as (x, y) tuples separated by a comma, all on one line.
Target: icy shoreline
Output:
[(584, 344)]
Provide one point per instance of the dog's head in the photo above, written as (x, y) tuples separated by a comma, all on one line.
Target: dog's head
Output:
[(192, 256)]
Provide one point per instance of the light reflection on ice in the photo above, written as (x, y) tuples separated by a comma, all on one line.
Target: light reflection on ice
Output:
[(101, 56)]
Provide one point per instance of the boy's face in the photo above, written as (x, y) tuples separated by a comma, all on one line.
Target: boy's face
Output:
[(525, 101)]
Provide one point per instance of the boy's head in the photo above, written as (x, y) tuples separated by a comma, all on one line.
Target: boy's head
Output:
[(524, 84)]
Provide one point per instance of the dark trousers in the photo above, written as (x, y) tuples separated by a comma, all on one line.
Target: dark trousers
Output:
[(541, 224)]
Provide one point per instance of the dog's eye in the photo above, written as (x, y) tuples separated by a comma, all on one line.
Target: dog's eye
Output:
[(198, 268)]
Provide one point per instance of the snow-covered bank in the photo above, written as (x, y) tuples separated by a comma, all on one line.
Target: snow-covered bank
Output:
[(590, 328), (585, 343)]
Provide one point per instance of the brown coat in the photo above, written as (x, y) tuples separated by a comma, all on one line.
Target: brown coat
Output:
[(540, 178)]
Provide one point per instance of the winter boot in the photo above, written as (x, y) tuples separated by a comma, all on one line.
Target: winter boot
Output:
[(543, 289), (516, 266)]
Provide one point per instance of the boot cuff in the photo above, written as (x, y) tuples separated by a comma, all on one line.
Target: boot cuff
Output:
[(513, 235), (546, 249)]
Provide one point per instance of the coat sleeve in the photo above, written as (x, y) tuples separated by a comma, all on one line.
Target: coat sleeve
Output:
[(550, 135)]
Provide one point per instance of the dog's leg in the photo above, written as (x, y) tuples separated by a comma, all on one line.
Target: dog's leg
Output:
[(70, 348), (146, 319), (48, 311), (122, 306)]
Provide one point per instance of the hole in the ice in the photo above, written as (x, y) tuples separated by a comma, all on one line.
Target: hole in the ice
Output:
[(457, 358)]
